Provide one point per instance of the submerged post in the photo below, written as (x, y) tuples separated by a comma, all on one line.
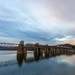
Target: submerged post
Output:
[(37, 53)]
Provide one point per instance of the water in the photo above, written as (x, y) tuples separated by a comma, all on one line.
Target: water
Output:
[(18, 65)]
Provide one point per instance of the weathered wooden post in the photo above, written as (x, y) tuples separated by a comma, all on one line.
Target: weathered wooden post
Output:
[(46, 52), (21, 53), (57, 50), (20, 47), (41, 52), (54, 51), (37, 54)]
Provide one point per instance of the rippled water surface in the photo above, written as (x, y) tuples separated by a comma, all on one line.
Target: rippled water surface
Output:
[(56, 65)]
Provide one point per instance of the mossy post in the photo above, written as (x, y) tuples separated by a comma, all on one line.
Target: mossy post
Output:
[(21, 47)]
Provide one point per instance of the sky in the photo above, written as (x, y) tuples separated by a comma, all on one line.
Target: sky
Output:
[(43, 21)]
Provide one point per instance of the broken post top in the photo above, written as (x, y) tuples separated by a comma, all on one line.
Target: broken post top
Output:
[(21, 42)]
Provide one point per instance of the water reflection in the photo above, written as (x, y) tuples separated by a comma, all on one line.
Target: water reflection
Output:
[(41, 64), (20, 58), (37, 57)]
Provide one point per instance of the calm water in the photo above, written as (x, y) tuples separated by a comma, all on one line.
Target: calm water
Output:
[(57, 65)]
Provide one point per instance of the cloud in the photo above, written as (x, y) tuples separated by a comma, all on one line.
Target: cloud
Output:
[(7, 39), (67, 59), (62, 9), (37, 21)]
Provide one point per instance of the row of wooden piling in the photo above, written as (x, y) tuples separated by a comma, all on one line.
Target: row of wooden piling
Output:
[(40, 50)]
